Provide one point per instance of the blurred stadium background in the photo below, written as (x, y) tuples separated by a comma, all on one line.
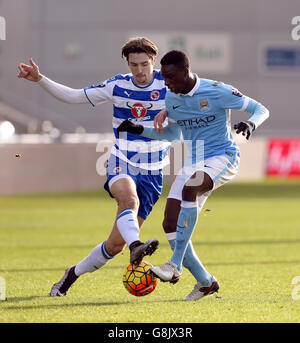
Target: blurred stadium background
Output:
[(48, 146)]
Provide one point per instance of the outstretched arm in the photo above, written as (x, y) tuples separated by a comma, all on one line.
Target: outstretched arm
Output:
[(232, 98), (259, 115), (171, 133), (259, 112), (63, 93)]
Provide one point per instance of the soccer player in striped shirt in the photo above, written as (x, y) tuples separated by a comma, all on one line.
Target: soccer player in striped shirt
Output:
[(199, 109), (134, 177)]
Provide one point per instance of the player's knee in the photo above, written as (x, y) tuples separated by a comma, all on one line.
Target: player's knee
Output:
[(169, 225), (199, 184), (130, 202), (189, 193)]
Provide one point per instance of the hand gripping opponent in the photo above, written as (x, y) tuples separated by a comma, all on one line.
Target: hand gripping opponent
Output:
[(130, 127)]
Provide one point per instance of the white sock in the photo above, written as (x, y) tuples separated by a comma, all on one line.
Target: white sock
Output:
[(128, 226), (95, 260)]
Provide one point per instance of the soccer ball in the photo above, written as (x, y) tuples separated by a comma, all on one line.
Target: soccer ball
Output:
[(139, 280)]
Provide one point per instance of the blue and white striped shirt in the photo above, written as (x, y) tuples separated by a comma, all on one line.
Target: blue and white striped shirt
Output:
[(139, 104)]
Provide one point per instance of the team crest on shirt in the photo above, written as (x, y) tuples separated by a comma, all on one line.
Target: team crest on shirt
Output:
[(138, 110), (117, 170), (154, 95), (204, 105)]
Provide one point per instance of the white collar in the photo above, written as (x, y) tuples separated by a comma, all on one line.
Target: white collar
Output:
[(193, 90)]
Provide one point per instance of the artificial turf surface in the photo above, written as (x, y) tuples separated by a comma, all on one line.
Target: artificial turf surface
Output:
[(248, 237)]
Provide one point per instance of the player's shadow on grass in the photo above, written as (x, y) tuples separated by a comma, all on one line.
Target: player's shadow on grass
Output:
[(234, 263), (196, 243), (267, 242), (32, 270), (56, 269), (224, 264), (61, 306), (166, 244), (19, 299)]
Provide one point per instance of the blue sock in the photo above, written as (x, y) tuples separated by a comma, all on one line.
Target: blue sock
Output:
[(186, 223), (193, 264)]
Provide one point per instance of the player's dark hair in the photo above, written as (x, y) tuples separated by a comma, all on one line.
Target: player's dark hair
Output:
[(176, 57), (139, 45)]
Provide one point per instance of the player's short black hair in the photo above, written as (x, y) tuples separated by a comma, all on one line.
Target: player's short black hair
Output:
[(176, 57)]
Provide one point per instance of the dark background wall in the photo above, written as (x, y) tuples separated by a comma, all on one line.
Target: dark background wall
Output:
[(78, 43)]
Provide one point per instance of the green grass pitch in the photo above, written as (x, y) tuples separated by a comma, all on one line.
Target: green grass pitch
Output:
[(248, 236)]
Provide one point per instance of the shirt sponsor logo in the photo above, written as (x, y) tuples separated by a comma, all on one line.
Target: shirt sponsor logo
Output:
[(139, 119), (196, 122), (138, 110)]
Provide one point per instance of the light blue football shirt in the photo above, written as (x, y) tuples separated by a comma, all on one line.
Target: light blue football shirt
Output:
[(203, 117)]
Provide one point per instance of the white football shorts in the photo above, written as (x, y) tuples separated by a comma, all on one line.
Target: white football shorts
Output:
[(221, 169)]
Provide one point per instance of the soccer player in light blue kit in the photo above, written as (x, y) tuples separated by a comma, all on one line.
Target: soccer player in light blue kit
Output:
[(199, 109)]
